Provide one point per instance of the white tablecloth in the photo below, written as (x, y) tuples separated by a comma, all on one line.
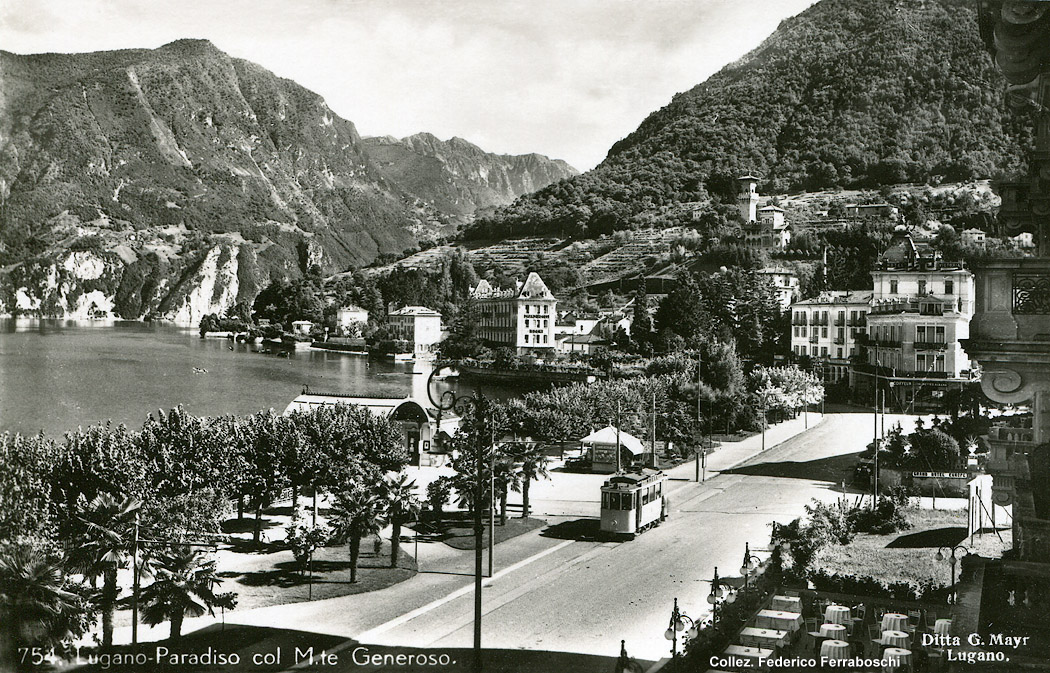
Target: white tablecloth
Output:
[(780, 620), (752, 653), (837, 614), (770, 638), (788, 603), (834, 649), (896, 657), (892, 621), (833, 631), (895, 638), (942, 627)]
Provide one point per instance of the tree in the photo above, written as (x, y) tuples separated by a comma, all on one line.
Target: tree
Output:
[(358, 511), (183, 586), (506, 476), (264, 440), (462, 341), (533, 468), (39, 606), (933, 449), (304, 539), (102, 548), (401, 505)]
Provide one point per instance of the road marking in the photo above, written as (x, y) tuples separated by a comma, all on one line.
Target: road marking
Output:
[(409, 616), (462, 591)]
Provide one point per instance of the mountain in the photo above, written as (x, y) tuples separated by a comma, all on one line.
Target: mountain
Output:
[(850, 93), (176, 181), (458, 177)]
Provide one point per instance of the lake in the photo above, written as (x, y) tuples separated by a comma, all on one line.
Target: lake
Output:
[(58, 374)]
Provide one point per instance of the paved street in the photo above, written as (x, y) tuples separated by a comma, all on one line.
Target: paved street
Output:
[(562, 591)]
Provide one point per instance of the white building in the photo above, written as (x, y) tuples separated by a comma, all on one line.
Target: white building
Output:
[(302, 327), (579, 343), (921, 307), (522, 319), (973, 236), (348, 316), (1023, 240), (872, 211), (784, 281), (418, 325), (831, 328)]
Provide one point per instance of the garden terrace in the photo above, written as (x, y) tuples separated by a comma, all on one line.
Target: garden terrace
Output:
[(627, 257)]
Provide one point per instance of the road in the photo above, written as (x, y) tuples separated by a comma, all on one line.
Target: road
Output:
[(584, 596)]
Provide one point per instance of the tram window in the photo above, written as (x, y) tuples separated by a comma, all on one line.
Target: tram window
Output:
[(605, 500), (628, 501)]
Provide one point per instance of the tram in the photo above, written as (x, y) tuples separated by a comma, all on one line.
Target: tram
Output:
[(633, 502)]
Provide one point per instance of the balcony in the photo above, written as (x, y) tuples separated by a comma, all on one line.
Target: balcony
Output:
[(890, 373), (858, 322), (839, 341), (930, 345), (822, 322), (840, 322), (813, 339), (883, 343), (1007, 434)]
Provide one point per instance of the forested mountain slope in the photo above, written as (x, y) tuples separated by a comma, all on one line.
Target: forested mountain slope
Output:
[(847, 93)]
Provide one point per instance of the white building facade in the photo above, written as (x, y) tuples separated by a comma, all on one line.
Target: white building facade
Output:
[(419, 325), (921, 307), (522, 319), (830, 328)]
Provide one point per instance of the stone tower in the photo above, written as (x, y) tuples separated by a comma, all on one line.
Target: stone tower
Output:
[(747, 198)]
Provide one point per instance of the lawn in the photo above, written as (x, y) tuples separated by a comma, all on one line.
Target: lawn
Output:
[(909, 555), (456, 529)]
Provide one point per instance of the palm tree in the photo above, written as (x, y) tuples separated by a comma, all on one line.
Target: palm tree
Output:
[(506, 476), (533, 467), (184, 585), (402, 505), (103, 547), (356, 513), (37, 608)]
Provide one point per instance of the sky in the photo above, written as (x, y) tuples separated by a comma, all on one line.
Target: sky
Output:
[(564, 78)]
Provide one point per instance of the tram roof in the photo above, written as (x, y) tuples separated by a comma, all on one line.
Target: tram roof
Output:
[(643, 476)]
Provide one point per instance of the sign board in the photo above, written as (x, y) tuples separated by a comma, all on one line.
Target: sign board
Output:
[(939, 475)]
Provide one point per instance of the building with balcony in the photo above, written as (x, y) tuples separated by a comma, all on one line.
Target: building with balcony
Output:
[(831, 328), (522, 318), (921, 307)]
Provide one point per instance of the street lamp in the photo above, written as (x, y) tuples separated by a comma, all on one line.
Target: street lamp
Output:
[(447, 401), (951, 561), (679, 622), (751, 564), (715, 598)]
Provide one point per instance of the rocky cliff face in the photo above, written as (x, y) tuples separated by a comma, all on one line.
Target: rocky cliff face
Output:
[(176, 181), (458, 177)]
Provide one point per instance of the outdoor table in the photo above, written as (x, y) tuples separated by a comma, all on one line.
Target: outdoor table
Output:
[(770, 638), (837, 614), (789, 603), (893, 621), (837, 631), (781, 620), (750, 653), (895, 638), (896, 657), (834, 649), (942, 626)]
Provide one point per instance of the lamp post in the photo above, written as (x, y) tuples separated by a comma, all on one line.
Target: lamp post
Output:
[(447, 401), (951, 561), (679, 622), (717, 596), (751, 564)]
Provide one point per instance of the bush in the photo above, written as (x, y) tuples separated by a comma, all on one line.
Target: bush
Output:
[(886, 517), (438, 493)]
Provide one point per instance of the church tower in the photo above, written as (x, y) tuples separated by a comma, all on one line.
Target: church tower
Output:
[(747, 199)]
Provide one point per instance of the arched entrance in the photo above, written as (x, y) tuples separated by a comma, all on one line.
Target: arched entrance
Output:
[(415, 425)]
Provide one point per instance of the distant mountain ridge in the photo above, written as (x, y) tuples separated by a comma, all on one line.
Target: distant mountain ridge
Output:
[(851, 93), (178, 181), (456, 176)]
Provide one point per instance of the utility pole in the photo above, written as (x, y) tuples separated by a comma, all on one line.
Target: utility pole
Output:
[(875, 432), (135, 585), (618, 466), (479, 545), (492, 492), (699, 415), (652, 432)]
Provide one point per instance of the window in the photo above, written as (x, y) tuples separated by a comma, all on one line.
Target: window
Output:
[(922, 287), (893, 287), (949, 286), (803, 350), (839, 355), (824, 351), (824, 332), (803, 330)]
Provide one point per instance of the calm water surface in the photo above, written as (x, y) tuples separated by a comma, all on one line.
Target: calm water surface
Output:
[(56, 374)]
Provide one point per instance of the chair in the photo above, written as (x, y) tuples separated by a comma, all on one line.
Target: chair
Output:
[(874, 634), (812, 625), (914, 618)]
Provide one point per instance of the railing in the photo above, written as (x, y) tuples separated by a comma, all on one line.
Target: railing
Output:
[(1031, 294), (840, 322), (813, 339), (883, 343), (930, 345), (858, 322), (840, 341)]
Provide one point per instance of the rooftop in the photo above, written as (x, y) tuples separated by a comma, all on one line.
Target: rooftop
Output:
[(853, 297), (416, 310)]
